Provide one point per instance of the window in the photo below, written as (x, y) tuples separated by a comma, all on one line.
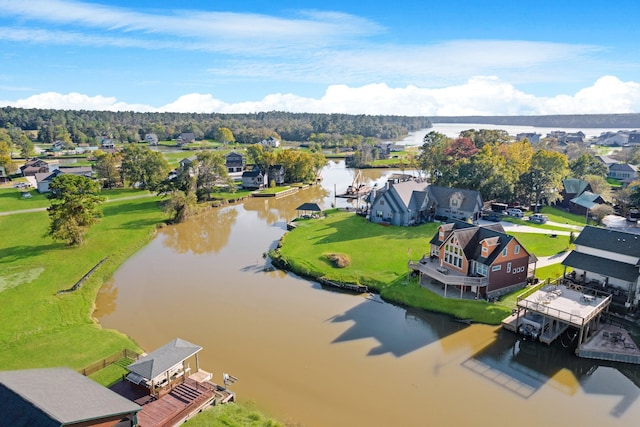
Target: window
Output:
[(496, 268), (484, 251), (381, 202), (508, 267), (517, 250), (481, 269), (379, 214), (504, 252)]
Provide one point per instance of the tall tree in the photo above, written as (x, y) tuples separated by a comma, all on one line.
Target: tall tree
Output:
[(108, 168), (211, 170), (585, 165), (225, 136), (544, 178), (74, 207), (431, 157), (143, 167)]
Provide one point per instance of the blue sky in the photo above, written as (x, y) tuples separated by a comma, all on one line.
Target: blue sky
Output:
[(377, 57)]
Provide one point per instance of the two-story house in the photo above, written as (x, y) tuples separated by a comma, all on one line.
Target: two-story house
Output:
[(235, 162), (33, 166), (608, 260), (254, 179), (410, 202), (483, 260)]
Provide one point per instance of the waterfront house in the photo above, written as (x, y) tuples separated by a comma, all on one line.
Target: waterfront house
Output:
[(235, 162), (586, 201), (271, 142), (151, 138), (254, 179), (411, 202), (607, 260), (483, 260), (532, 137), (106, 142), (185, 138), (57, 397), (276, 174), (188, 164)]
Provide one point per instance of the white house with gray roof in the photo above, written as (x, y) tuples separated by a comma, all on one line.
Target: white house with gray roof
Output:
[(413, 202), (610, 259)]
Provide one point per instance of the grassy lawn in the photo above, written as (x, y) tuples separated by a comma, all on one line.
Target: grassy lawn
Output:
[(42, 329), (233, 414), (542, 244), (240, 193), (377, 258), (558, 215), (11, 198), (275, 190)]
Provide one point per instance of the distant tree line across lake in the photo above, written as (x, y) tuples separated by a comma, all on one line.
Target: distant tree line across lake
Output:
[(83, 126)]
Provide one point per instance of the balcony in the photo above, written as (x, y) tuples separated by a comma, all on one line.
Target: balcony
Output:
[(432, 268)]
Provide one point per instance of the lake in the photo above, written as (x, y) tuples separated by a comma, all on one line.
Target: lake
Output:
[(316, 357)]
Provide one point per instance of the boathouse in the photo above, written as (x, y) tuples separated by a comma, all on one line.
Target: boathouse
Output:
[(163, 383)]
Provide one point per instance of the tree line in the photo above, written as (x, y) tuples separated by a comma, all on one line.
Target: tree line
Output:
[(84, 126)]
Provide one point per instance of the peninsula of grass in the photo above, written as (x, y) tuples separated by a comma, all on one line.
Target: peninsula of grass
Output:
[(42, 329), (378, 258)]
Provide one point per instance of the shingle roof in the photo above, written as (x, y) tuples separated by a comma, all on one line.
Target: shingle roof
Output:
[(609, 240), (164, 358), (604, 266), (61, 394), (443, 194)]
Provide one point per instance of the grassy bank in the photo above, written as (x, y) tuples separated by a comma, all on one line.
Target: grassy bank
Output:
[(377, 257), (40, 328)]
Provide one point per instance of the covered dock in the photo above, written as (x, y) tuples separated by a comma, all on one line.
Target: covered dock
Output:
[(547, 313)]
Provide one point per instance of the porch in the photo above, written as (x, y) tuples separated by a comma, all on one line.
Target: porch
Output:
[(448, 282)]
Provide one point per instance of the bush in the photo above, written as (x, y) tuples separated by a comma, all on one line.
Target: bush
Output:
[(339, 260)]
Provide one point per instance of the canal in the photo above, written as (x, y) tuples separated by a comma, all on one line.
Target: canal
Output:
[(315, 357)]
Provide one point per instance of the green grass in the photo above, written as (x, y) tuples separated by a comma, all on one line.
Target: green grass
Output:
[(614, 182), (42, 329), (11, 198), (378, 257), (232, 415), (240, 193), (111, 374), (558, 215), (275, 190), (542, 244)]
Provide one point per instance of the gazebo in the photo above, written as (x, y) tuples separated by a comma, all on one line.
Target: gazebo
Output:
[(163, 366), (308, 209)]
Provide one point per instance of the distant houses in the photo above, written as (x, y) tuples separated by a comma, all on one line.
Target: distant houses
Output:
[(43, 180), (235, 162), (33, 166), (271, 142), (151, 138), (254, 179), (185, 138)]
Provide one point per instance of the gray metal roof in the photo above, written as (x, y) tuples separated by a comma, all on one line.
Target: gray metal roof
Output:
[(603, 266), (62, 394), (164, 358)]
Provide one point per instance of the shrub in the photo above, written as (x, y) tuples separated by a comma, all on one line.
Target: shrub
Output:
[(339, 260)]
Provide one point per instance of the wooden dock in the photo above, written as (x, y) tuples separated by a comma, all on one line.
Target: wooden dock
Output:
[(176, 404)]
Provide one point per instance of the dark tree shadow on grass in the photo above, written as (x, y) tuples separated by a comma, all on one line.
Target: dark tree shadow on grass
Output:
[(19, 252)]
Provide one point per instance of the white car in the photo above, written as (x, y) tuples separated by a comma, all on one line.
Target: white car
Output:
[(517, 213)]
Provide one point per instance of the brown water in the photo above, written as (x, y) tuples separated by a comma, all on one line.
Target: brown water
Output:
[(315, 357)]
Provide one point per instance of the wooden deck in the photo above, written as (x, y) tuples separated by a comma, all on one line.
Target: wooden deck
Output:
[(176, 404)]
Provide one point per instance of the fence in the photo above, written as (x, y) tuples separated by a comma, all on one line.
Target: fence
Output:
[(122, 354)]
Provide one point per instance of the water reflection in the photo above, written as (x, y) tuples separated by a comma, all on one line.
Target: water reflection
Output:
[(203, 234)]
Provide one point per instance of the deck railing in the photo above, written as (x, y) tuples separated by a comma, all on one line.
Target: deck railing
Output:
[(446, 276), (122, 354)]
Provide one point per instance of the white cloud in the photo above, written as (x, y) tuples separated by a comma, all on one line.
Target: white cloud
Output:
[(478, 96)]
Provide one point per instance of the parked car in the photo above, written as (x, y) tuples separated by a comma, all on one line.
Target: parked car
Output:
[(517, 213), (493, 217), (538, 218)]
